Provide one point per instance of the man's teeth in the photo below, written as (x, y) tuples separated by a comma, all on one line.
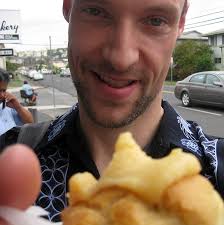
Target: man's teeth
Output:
[(115, 83)]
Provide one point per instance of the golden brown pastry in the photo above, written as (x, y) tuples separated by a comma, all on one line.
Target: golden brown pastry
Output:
[(138, 190)]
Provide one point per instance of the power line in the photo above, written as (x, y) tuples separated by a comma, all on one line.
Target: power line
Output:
[(204, 21), (44, 45), (204, 25), (208, 14)]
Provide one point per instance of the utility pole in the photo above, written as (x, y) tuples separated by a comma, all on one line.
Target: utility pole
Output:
[(171, 69), (52, 78)]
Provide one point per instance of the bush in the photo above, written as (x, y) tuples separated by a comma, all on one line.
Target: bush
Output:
[(191, 57)]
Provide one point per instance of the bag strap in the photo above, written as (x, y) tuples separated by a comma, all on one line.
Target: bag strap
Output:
[(31, 134)]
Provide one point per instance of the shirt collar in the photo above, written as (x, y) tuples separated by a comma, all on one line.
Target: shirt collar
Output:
[(168, 134)]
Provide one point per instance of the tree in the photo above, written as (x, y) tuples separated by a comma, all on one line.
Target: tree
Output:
[(191, 57), (12, 67)]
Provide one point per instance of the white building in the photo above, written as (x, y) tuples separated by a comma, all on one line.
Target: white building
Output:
[(216, 40)]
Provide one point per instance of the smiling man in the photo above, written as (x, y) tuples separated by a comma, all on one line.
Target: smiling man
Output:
[(119, 56), (119, 61)]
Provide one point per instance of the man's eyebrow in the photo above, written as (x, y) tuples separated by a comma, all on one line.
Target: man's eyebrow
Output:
[(166, 9), (92, 1)]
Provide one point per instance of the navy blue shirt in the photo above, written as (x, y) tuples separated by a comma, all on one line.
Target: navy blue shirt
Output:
[(63, 151)]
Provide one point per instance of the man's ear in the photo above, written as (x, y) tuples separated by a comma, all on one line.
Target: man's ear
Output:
[(183, 18), (66, 9)]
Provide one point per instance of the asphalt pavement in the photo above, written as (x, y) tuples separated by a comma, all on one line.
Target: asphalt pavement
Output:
[(50, 102)]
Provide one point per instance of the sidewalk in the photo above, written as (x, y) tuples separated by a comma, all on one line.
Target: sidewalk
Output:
[(48, 105)]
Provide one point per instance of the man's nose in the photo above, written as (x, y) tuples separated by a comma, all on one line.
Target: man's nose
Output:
[(121, 48)]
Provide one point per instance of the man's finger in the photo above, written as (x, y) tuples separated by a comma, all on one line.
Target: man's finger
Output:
[(20, 177)]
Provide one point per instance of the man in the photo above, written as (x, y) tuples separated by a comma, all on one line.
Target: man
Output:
[(119, 54), (29, 92), (12, 113)]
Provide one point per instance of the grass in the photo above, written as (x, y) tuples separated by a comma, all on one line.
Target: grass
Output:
[(16, 82), (172, 83)]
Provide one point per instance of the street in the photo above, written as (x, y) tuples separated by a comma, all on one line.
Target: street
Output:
[(211, 119)]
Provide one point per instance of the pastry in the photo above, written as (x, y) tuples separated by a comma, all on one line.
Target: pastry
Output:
[(138, 190)]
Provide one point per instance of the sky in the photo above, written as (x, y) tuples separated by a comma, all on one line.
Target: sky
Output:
[(43, 18)]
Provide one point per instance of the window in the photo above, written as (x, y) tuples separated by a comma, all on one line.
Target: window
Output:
[(211, 79), (213, 40), (218, 60), (198, 78), (223, 39)]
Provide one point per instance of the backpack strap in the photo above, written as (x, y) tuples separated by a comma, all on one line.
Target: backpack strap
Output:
[(31, 134)]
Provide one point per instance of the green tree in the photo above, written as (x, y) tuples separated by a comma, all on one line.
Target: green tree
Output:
[(12, 67), (191, 57)]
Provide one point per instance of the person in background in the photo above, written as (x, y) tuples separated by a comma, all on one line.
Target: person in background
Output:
[(29, 92), (12, 113), (119, 55)]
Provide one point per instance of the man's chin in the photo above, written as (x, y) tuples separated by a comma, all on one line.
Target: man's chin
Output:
[(110, 121), (111, 124), (114, 115)]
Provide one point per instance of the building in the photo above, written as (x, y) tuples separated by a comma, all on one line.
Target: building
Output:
[(192, 35), (216, 41)]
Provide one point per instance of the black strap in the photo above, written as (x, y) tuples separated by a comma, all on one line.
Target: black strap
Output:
[(31, 134)]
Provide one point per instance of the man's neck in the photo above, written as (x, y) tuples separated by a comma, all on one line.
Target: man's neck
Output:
[(102, 140)]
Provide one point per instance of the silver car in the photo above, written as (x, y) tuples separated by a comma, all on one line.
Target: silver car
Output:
[(204, 88)]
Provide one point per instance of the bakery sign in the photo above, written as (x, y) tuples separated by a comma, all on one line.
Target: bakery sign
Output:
[(10, 26)]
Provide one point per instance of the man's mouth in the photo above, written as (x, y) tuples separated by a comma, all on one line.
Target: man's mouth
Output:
[(114, 83)]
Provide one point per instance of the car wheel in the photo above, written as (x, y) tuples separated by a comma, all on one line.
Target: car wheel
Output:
[(185, 98)]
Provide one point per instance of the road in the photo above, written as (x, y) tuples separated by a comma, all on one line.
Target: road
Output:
[(211, 119), (63, 84)]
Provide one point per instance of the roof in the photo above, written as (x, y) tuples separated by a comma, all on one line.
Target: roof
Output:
[(220, 31), (192, 35)]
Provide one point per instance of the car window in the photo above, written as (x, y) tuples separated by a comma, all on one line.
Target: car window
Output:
[(211, 79), (198, 79)]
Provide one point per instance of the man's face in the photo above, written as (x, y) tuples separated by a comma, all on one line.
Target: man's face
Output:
[(3, 88), (119, 54)]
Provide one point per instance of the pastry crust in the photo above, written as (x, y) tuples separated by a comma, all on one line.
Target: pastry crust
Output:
[(138, 190)]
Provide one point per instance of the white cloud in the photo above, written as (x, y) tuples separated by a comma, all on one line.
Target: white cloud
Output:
[(40, 19), (207, 12), (43, 18)]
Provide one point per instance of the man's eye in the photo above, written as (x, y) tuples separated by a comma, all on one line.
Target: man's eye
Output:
[(155, 21), (93, 11)]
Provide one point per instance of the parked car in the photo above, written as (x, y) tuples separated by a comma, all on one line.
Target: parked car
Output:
[(38, 76), (31, 73), (65, 73), (45, 71), (204, 88)]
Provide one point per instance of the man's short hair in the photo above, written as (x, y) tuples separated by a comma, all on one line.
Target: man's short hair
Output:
[(4, 76), (25, 82)]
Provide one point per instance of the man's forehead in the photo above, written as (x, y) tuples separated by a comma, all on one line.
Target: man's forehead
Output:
[(145, 2)]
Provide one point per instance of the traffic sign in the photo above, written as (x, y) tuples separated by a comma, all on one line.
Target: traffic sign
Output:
[(9, 37), (6, 52)]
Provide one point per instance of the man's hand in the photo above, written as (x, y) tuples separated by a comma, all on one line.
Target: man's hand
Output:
[(20, 177), (12, 101)]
